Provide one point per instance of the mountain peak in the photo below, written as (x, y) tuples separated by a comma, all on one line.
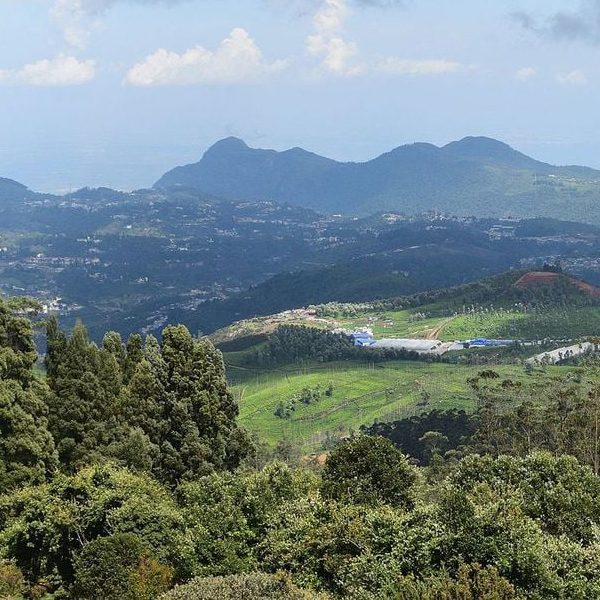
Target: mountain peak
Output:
[(228, 144), (478, 145), (473, 176), (486, 148)]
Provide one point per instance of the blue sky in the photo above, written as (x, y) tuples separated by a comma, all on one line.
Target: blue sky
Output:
[(115, 92)]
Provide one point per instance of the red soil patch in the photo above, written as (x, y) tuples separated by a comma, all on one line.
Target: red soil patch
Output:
[(545, 277)]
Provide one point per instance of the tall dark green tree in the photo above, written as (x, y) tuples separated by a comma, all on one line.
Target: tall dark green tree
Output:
[(135, 354), (164, 407), (85, 385), (178, 396), (113, 343), (27, 452), (17, 348)]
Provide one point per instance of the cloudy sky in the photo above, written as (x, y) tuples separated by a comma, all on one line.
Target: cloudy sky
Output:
[(114, 92)]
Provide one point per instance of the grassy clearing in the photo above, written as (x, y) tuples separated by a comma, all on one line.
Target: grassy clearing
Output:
[(401, 323), (555, 324), (362, 394)]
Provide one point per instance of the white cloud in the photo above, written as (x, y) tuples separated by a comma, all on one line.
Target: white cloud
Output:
[(337, 54), (331, 17), (60, 71), (576, 77), (526, 73), (400, 66), (71, 16), (77, 18), (328, 43), (238, 59), (341, 57)]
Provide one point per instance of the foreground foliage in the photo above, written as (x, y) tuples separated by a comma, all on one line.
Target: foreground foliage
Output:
[(161, 407), (242, 587), (153, 490)]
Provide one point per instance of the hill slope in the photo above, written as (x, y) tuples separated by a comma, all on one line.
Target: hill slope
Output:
[(475, 176), (12, 191), (534, 279), (525, 305)]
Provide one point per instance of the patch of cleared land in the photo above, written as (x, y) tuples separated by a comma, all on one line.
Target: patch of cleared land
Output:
[(362, 393)]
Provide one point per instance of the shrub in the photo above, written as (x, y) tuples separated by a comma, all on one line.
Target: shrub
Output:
[(369, 470), (118, 567), (472, 583), (12, 581), (250, 586)]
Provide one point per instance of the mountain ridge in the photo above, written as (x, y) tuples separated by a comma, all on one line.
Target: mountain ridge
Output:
[(472, 176)]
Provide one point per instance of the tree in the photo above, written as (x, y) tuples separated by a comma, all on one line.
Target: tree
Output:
[(17, 348), (562, 495), (46, 527), (587, 425), (85, 385), (433, 441), (235, 587), (113, 344), (135, 354), (27, 453), (109, 568), (369, 470), (228, 514), (348, 550), (178, 397)]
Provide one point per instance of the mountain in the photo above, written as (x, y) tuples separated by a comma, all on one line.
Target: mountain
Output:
[(474, 176), (13, 190)]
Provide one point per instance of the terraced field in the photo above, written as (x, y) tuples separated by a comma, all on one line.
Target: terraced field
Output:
[(362, 393)]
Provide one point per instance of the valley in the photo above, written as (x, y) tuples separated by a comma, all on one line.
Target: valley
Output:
[(133, 262), (299, 300), (239, 270), (539, 311)]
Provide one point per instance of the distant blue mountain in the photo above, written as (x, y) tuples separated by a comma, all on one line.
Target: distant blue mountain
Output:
[(474, 176), (13, 191)]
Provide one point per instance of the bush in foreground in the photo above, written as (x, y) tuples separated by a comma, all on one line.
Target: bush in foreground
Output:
[(369, 470), (250, 586)]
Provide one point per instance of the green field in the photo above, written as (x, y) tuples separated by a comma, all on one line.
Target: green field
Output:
[(400, 323), (439, 321), (362, 393), (557, 323)]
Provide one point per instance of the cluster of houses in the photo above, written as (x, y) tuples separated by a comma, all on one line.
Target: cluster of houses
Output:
[(366, 339)]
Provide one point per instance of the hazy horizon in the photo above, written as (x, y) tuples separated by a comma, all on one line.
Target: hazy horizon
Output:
[(116, 92)]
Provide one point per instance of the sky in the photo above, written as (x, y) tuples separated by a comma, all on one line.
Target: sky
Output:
[(116, 92)]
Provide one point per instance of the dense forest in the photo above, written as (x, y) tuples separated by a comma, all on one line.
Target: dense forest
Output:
[(124, 475)]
